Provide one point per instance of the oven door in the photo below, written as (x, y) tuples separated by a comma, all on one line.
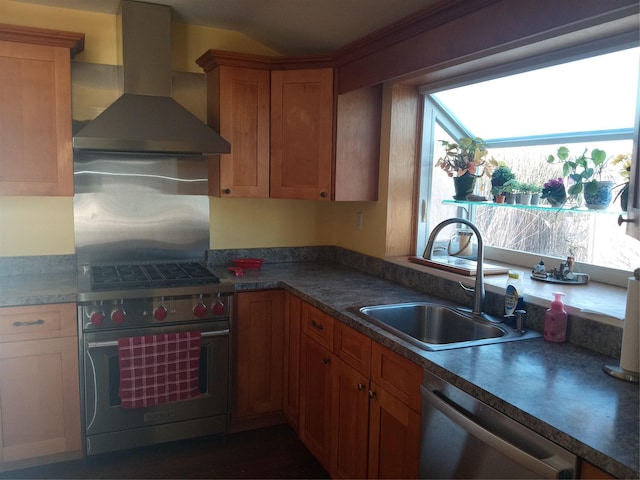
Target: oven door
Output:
[(110, 427)]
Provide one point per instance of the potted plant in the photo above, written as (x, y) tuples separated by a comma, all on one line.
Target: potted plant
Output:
[(624, 160), (554, 192), (501, 175), (586, 173), (464, 162), (527, 190), (498, 194), (510, 189)]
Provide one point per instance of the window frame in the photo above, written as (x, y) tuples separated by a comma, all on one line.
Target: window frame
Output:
[(438, 113)]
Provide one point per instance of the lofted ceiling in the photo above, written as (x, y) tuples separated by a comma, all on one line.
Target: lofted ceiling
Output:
[(291, 27)]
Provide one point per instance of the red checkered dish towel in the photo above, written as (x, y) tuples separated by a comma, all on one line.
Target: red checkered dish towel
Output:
[(157, 369)]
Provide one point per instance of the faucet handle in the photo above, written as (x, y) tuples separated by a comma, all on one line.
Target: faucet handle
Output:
[(468, 290)]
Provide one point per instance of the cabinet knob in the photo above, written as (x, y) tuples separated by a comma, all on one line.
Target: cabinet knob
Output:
[(227, 191), (326, 360), (323, 194), (372, 394), (360, 387)]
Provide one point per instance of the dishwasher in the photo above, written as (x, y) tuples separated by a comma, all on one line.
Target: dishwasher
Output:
[(462, 437)]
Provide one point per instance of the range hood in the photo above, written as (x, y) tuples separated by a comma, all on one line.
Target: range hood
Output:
[(145, 119)]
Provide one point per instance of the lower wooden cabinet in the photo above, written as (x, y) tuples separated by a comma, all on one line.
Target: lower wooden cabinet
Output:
[(394, 437), (317, 371), (291, 377), (39, 385), (258, 365), (359, 401)]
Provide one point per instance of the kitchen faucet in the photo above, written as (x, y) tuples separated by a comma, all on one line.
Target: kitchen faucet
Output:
[(478, 290)]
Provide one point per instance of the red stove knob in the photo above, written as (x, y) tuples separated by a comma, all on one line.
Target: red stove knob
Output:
[(118, 316), (160, 313), (218, 308), (200, 310), (96, 318)]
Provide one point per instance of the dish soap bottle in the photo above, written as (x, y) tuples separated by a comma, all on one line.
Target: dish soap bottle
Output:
[(555, 320), (513, 295)]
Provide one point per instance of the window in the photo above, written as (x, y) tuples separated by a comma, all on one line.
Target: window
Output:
[(586, 103)]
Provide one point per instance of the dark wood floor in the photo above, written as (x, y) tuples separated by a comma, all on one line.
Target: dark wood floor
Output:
[(274, 452)]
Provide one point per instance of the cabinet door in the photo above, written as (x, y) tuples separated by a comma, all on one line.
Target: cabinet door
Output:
[(39, 394), (36, 156), (351, 423), (394, 437), (259, 340), (317, 367), (302, 134), (238, 107), (359, 115), (291, 389)]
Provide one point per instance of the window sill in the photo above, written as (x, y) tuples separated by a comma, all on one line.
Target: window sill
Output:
[(595, 301)]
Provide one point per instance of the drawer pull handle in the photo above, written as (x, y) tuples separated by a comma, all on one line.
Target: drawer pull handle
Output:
[(317, 325), (28, 324)]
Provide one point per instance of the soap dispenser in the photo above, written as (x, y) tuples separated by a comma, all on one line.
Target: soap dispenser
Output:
[(555, 320)]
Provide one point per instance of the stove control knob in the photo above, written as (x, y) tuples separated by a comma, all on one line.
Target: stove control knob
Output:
[(218, 308), (118, 316), (200, 310), (96, 318), (160, 313)]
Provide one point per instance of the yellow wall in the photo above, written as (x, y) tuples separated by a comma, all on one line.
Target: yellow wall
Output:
[(44, 225)]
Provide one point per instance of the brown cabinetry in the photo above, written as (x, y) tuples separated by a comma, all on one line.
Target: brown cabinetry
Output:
[(39, 385), (359, 401), (36, 154), (238, 107), (279, 115), (301, 133), (291, 386), (258, 365)]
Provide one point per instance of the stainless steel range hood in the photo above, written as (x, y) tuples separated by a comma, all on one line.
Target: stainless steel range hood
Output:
[(145, 119)]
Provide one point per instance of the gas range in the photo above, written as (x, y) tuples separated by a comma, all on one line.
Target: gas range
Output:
[(125, 295)]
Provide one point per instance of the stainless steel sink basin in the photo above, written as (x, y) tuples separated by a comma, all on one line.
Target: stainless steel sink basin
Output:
[(432, 326)]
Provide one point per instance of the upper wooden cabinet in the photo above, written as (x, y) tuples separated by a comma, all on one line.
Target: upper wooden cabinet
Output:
[(238, 105), (301, 133), (36, 153), (291, 136)]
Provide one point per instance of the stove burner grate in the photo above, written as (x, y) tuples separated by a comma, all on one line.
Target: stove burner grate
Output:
[(105, 277)]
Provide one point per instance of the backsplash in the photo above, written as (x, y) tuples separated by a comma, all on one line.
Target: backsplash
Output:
[(596, 336), (593, 335)]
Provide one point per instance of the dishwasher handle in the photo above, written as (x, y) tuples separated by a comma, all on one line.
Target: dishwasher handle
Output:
[(547, 468)]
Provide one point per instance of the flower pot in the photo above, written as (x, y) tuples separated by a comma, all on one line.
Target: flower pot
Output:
[(464, 186), (624, 198), (499, 198), (510, 198), (600, 198), (525, 199), (535, 198)]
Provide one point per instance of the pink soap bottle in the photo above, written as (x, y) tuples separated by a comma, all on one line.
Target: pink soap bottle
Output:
[(555, 320)]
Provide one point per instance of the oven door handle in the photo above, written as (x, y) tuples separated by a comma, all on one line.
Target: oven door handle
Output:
[(114, 343)]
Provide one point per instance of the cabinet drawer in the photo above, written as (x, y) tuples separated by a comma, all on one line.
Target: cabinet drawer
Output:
[(353, 348), (318, 325), (37, 321), (397, 375)]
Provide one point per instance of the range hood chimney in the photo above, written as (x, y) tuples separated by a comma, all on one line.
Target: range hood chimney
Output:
[(145, 119)]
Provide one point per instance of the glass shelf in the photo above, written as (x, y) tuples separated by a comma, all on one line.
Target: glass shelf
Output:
[(540, 208)]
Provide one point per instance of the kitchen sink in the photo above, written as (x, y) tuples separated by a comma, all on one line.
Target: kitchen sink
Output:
[(433, 326)]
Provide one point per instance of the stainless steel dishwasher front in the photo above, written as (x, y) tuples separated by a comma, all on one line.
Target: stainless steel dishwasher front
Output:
[(462, 437)]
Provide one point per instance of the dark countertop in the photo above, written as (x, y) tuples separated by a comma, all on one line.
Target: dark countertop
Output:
[(557, 390)]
